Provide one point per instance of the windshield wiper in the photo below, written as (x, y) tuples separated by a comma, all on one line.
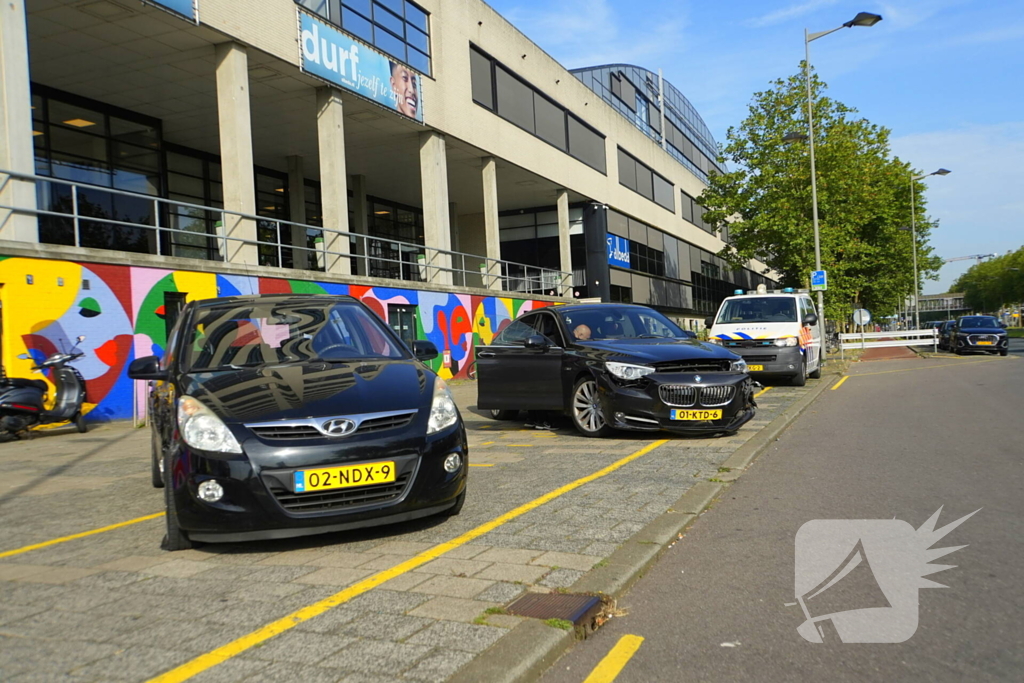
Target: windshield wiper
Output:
[(654, 336)]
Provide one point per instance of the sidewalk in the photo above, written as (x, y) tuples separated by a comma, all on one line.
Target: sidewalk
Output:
[(888, 353)]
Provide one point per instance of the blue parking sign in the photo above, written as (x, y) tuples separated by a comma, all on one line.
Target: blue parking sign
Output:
[(819, 281)]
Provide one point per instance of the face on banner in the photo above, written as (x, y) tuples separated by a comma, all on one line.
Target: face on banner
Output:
[(331, 55)]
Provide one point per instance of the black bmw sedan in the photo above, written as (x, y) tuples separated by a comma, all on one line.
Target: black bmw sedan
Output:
[(979, 334), (613, 366), (287, 415)]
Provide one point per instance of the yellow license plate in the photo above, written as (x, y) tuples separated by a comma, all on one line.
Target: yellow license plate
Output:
[(699, 415), (755, 368), (984, 343), (344, 477)]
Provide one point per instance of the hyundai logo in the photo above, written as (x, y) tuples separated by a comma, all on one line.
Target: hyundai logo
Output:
[(338, 427), (696, 378)]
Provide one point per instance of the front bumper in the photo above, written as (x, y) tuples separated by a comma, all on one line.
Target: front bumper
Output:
[(774, 360), (973, 343), (642, 405), (259, 501)]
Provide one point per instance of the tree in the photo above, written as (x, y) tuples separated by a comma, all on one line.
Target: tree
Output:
[(988, 286), (863, 200)]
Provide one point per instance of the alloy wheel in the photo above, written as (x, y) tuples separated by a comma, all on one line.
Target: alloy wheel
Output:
[(586, 407)]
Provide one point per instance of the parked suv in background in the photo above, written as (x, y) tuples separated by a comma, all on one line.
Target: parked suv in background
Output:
[(945, 329), (979, 334)]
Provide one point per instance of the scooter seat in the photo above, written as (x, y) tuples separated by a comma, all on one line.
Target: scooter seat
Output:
[(21, 382)]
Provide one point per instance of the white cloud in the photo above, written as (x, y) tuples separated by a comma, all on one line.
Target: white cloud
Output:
[(979, 204), (786, 13)]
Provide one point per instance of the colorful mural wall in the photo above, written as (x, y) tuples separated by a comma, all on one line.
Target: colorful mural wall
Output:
[(121, 310)]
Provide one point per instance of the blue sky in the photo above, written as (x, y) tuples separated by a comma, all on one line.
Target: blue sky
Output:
[(944, 75)]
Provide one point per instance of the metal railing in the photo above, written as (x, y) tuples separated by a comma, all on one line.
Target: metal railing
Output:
[(85, 215), (859, 340)]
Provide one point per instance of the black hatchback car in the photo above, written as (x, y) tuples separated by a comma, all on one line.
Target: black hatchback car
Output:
[(287, 415), (613, 366), (979, 334)]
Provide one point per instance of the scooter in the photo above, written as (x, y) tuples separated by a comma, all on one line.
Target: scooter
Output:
[(21, 400)]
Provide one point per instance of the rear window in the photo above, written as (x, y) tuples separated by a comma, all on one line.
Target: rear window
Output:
[(265, 333), (758, 309)]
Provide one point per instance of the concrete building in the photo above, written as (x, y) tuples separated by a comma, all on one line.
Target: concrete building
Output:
[(423, 156)]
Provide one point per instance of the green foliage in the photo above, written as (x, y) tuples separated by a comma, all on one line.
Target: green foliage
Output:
[(864, 198), (991, 284), (559, 623)]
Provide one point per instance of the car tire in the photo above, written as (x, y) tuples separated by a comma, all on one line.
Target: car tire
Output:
[(817, 371), (457, 508), (80, 423), (1004, 352), (498, 414), (585, 409), (800, 378), (176, 538), (156, 460)]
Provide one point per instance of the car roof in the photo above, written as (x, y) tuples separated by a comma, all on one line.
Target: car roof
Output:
[(274, 298), (768, 294), (569, 308)]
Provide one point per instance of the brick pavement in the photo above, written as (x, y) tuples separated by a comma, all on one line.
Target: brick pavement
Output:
[(114, 607)]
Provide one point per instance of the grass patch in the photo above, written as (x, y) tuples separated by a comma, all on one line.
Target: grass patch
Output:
[(559, 623), (495, 610), (725, 469), (1017, 332), (480, 620), (602, 563)]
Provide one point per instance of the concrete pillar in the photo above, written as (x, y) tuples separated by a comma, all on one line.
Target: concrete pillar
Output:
[(297, 210), (564, 250), (235, 129), (360, 221), (333, 178), (489, 173), (434, 186), (16, 153)]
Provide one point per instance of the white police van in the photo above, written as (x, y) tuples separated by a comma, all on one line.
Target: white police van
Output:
[(776, 333)]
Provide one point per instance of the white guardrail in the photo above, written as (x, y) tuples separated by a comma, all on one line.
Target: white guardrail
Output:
[(878, 340)]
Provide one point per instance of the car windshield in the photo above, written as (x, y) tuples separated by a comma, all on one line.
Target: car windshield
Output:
[(978, 321), (758, 309), (274, 332), (613, 322)]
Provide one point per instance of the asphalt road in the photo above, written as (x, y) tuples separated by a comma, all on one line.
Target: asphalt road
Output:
[(898, 439)]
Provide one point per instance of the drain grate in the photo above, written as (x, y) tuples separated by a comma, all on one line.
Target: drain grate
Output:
[(581, 610)]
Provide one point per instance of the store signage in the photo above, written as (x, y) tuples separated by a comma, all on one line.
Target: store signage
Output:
[(186, 8), (618, 251), (329, 54)]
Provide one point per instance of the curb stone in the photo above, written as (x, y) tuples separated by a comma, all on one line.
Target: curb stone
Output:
[(533, 646)]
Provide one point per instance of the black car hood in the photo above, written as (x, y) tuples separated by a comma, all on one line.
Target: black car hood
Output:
[(658, 350), (317, 389), (982, 330)]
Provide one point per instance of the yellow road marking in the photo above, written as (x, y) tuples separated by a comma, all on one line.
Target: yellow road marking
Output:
[(481, 464), (931, 367), (487, 443), (608, 669), (83, 534), (239, 645), (762, 392), (519, 445), (840, 382)]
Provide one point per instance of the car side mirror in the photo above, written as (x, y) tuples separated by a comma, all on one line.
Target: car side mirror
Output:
[(147, 367), (811, 319), (424, 350), (708, 322), (536, 341)]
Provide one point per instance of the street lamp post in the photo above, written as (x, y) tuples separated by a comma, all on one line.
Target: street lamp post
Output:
[(913, 236), (865, 19)]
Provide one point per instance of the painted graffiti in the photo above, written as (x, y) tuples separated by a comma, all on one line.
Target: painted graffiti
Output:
[(122, 311)]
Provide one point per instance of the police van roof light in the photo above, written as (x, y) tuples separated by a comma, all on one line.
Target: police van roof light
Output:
[(737, 291), (787, 290)]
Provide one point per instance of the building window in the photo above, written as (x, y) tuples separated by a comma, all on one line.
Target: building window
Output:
[(398, 28), (621, 295), (500, 90), (644, 259), (638, 177)]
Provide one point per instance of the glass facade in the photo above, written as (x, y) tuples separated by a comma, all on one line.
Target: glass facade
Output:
[(397, 28), (634, 93), (497, 88)]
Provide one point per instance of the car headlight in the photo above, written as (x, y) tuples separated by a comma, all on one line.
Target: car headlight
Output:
[(787, 341), (443, 413), (628, 371), (201, 429), (715, 340), (738, 365)]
